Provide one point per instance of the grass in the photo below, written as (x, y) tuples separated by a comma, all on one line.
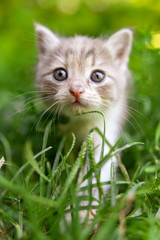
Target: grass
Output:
[(38, 179), (35, 196), (34, 199)]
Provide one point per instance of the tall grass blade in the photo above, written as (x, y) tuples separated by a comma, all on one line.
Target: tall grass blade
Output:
[(59, 169), (74, 171), (157, 136), (123, 169), (107, 230), (113, 184), (55, 164), (29, 156), (7, 147), (92, 163), (104, 131), (110, 155), (42, 162), (20, 190)]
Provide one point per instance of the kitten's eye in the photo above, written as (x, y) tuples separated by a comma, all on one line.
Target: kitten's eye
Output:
[(60, 74), (97, 76)]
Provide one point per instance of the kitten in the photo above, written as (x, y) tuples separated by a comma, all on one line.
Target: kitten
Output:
[(80, 74)]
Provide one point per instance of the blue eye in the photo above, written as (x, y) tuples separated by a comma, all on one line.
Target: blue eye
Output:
[(60, 74), (97, 76)]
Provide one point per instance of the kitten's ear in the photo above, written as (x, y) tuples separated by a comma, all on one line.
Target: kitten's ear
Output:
[(120, 44), (46, 39)]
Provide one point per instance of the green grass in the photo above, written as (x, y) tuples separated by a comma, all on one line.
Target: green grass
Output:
[(35, 195)]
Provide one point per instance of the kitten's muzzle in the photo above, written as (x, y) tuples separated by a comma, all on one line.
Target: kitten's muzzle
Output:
[(76, 91)]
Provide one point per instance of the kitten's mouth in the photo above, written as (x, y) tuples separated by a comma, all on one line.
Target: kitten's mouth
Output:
[(77, 103)]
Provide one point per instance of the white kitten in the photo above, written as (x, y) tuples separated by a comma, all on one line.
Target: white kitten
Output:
[(80, 74)]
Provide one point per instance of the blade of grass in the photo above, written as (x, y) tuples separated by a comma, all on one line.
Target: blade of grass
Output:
[(74, 204), (29, 156), (59, 169), (13, 222), (7, 147), (104, 183), (108, 156), (56, 161), (157, 136), (24, 167), (74, 171), (27, 163), (20, 220), (8, 218), (18, 189), (59, 150), (104, 131), (114, 153), (107, 229), (113, 184), (123, 169), (42, 161), (93, 166)]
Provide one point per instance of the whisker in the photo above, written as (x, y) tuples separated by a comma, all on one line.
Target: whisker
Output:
[(138, 112), (139, 126), (135, 99), (46, 112), (60, 111), (127, 120), (125, 109), (49, 115), (47, 98), (36, 98), (23, 94)]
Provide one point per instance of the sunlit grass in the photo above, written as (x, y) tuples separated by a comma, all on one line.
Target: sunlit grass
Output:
[(34, 196)]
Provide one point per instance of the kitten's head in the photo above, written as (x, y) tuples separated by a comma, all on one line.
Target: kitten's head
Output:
[(79, 74)]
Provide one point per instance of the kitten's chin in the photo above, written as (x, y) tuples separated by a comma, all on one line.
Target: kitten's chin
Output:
[(76, 107), (77, 104)]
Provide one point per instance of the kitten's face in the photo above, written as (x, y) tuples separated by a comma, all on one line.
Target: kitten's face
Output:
[(79, 74)]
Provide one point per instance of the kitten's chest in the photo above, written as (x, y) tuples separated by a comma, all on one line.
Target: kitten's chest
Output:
[(80, 126), (83, 124)]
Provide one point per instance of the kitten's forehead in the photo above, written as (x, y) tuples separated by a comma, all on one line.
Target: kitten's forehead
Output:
[(82, 51)]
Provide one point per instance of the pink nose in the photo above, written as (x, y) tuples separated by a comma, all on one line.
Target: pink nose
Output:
[(76, 91)]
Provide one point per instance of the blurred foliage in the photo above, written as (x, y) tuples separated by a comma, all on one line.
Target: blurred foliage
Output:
[(18, 57)]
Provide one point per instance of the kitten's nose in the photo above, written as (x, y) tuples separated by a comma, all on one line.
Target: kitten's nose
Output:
[(76, 91)]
